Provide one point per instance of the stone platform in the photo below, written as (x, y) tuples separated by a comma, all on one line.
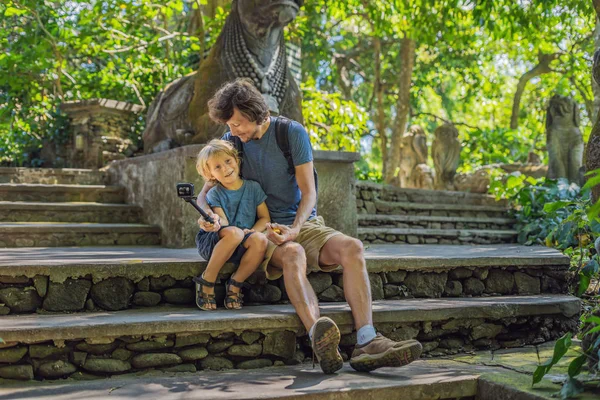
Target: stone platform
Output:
[(77, 278), (485, 375)]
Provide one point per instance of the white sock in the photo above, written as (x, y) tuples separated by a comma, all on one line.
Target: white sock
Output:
[(365, 334), (311, 331)]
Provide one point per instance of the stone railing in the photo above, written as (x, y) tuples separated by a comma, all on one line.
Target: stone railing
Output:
[(150, 183)]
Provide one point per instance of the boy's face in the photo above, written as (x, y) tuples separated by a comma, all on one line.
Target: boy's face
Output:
[(243, 128), (224, 168)]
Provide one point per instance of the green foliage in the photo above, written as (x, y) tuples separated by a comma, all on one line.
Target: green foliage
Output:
[(560, 349), (77, 50)]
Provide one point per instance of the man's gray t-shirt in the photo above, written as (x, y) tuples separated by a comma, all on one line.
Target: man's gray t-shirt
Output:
[(265, 163), (239, 205)]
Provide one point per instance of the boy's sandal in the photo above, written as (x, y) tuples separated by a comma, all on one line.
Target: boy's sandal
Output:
[(204, 299), (233, 300)]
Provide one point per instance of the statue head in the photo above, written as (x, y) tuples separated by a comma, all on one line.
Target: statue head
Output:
[(416, 130), (562, 108), (260, 15), (446, 131)]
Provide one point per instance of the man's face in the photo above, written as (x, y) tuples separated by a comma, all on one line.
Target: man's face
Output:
[(241, 127)]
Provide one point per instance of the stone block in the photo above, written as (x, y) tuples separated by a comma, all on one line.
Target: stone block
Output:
[(481, 273), (255, 364), (488, 331), (460, 273), (219, 346), (332, 293), (320, 281), (280, 344), (376, 287), (56, 369), (12, 355), (41, 285), (113, 293), (182, 340), (144, 285), (216, 363), (146, 299), (47, 351), (250, 337), (150, 345), (499, 281), (396, 276), (181, 368), (245, 350), (527, 284), (453, 289), (430, 285), (193, 353), (122, 354), (152, 360), (19, 372), (97, 349), (179, 296), (161, 283), (106, 365), (473, 286), (68, 296), (263, 294), (20, 300)]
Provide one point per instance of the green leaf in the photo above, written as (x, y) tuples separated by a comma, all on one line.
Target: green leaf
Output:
[(557, 205), (593, 211), (560, 349), (576, 365), (584, 283), (10, 11)]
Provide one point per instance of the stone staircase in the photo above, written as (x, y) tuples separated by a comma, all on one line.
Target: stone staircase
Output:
[(67, 207), (119, 311), (388, 214)]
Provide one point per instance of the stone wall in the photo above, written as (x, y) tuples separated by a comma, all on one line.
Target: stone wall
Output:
[(150, 183), (100, 131), (96, 358), (19, 295)]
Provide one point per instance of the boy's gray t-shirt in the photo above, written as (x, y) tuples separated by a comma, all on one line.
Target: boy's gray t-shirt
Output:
[(239, 205), (265, 163)]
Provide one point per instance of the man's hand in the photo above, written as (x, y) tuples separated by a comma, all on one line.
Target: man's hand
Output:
[(207, 226), (280, 234), (247, 231)]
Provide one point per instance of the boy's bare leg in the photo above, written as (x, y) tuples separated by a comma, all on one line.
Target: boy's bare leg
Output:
[(255, 245), (291, 258), (231, 237)]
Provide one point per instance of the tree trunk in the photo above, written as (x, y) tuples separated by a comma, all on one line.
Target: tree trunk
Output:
[(380, 116), (543, 67), (595, 86), (407, 58)]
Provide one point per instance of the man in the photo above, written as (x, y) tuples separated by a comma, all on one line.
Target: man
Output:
[(303, 240)]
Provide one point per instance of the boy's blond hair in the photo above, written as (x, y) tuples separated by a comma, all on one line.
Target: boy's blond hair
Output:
[(214, 148)]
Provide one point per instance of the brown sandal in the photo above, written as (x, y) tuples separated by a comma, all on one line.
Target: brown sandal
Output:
[(233, 300), (204, 299)]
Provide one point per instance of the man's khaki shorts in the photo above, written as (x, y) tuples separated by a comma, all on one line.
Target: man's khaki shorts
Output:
[(313, 236)]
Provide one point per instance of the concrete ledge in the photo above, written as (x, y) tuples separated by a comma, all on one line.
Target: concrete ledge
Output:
[(165, 320), (50, 175)]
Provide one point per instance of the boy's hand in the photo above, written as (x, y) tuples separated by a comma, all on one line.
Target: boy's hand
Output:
[(207, 226), (247, 231), (280, 234)]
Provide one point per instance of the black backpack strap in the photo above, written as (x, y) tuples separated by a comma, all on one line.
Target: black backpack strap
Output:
[(282, 126)]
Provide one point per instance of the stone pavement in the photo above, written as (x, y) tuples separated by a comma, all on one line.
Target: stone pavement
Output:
[(485, 375)]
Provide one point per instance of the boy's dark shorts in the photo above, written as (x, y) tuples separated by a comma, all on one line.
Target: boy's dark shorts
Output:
[(206, 242)]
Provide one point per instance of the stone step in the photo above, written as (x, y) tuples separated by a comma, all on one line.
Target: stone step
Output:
[(434, 236), (61, 193), (167, 336), (20, 211), (440, 210), (367, 191), (52, 176), (28, 234), (36, 278), (434, 222)]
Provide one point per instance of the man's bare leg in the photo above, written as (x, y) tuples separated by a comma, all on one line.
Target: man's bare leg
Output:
[(348, 253), (291, 258)]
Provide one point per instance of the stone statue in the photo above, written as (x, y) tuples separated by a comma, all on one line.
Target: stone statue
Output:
[(563, 139), (413, 151), (477, 181), (251, 45), (445, 151), (592, 151)]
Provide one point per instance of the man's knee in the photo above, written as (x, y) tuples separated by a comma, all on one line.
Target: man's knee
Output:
[(294, 257), (352, 249)]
